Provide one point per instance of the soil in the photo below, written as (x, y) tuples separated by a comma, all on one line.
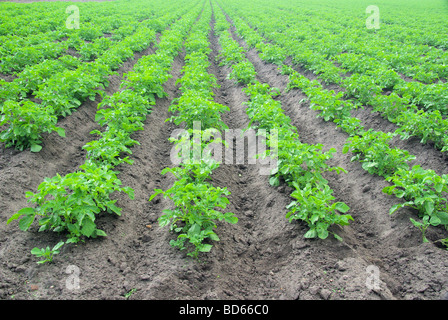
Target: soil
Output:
[(262, 257)]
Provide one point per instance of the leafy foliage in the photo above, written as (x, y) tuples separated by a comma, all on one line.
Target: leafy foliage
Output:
[(70, 203), (47, 253), (194, 215), (367, 75), (298, 164), (197, 203), (26, 121)]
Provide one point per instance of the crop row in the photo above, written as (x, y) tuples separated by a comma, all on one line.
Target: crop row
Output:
[(71, 203), (421, 189), (20, 48), (404, 106), (381, 77), (421, 62), (300, 165), (62, 92), (198, 204), (422, 24)]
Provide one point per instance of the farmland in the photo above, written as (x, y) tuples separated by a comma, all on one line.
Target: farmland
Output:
[(124, 174)]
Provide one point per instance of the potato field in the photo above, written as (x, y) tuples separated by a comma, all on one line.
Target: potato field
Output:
[(224, 150)]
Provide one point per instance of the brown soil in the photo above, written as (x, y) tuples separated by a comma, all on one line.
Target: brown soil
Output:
[(263, 256), (7, 77)]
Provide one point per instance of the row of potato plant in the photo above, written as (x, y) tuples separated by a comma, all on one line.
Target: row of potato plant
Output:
[(416, 108), (52, 38), (198, 204), (70, 204), (341, 36), (64, 91), (302, 166), (421, 189)]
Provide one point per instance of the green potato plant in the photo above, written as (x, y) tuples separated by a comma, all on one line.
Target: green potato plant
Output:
[(47, 253)]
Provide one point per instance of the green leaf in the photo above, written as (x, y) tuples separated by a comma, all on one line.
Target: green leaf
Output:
[(72, 240), (101, 233), (194, 229), (37, 251), (314, 218), (156, 192), (213, 236), (57, 246), (29, 194), (14, 217), (26, 222), (396, 207), (205, 247), (322, 233), (164, 221), (338, 237), (369, 164), (231, 219), (130, 192), (400, 193), (443, 216), (27, 211), (416, 223), (389, 189), (435, 221), (311, 234), (274, 181), (36, 148), (429, 207), (60, 131), (88, 227), (114, 208), (342, 207)]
